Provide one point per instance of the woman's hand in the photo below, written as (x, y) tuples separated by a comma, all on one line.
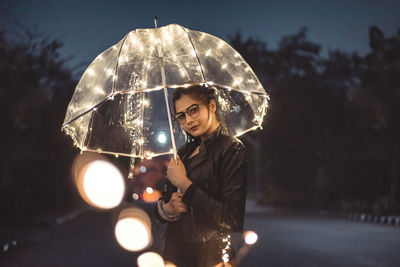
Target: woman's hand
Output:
[(175, 205), (176, 174)]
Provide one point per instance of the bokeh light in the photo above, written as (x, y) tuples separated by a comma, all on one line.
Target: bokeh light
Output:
[(149, 190), (150, 195), (133, 229), (143, 169), (103, 184), (162, 138), (131, 234), (150, 259), (98, 181), (250, 237)]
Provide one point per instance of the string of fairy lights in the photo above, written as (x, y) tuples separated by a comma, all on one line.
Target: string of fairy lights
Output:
[(261, 111)]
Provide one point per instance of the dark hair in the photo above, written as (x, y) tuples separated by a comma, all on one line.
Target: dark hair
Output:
[(204, 94)]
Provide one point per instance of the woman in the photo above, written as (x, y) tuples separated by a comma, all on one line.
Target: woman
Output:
[(210, 174)]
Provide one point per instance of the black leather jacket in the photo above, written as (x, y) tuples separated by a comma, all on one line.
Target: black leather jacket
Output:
[(216, 199)]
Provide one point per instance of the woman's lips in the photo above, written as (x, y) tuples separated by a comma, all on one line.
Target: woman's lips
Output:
[(194, 128)]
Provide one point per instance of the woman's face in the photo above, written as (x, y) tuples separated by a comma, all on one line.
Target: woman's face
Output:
[(202, 122)]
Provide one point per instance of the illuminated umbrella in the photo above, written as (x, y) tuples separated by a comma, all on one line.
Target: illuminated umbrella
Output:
[(121, 104)]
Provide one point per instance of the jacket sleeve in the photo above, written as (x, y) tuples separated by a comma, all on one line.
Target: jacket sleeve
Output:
[(227, 209), (168, 189), (166, 196)]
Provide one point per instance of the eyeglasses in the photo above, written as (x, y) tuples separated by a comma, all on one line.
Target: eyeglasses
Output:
[(193, 111)]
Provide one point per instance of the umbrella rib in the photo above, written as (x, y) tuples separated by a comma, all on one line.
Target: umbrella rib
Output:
[(117, 65), (84, 113), (195, 51), (164, 81), (88, 138)]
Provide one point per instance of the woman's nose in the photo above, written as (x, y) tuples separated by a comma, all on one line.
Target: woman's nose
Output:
[(188, 118)]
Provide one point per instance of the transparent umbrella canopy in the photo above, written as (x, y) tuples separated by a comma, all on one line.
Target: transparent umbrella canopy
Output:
[(122, 103)]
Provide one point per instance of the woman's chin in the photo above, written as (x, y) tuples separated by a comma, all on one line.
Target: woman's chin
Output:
[(195, 133)]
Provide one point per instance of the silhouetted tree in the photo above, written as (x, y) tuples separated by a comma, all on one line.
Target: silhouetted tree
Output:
[(35, 88), (378, 98), (331, 131)]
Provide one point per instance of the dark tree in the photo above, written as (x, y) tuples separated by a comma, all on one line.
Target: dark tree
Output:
[(35, 88), (378, 99), (330, 137)]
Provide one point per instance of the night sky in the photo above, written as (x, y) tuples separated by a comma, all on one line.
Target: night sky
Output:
[(89, 27)]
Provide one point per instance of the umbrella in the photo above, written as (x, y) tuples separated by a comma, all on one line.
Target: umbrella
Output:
[(121, 105)]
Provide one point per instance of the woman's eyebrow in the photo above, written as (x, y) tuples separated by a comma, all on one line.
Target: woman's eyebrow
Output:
[(177, 112)]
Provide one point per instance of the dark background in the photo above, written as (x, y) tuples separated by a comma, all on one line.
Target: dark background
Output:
[(331, 135)]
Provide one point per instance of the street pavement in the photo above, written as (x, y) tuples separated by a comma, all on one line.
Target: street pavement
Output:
[(286, 238), (290, 238)]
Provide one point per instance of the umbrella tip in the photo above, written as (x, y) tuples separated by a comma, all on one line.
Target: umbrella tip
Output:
[(155, 21)]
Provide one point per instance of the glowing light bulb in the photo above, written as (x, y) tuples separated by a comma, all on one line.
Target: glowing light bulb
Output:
[(148, 154), (236, 82), (103, 184), (142, 169), (162, 138), (149, 190), (152, 37), (132, 234), (250, 237), (133, 41), (91, 72), (150, 259)]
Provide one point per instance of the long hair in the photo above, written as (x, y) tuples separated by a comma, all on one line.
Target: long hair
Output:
[(204, 94)]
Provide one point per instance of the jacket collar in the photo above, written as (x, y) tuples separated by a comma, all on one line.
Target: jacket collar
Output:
[(204, 145), (217, 132), (194, 142)]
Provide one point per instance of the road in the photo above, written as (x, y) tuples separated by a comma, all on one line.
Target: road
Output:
[(285, 239), (290, 240)]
